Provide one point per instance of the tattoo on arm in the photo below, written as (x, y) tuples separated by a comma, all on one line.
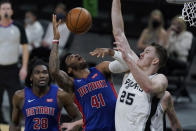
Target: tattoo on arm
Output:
[(70, 107), (62, 79), (54, 61), (175, 124)]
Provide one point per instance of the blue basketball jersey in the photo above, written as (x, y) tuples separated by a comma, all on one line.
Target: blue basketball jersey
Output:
[(96, 99), (41, 114)]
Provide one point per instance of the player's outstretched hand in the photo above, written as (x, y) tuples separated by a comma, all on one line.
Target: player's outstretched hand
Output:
[(55, 27), (122, 39), (101, 52), (120, 46)]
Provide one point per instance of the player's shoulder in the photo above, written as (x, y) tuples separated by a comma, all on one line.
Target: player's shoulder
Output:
[(167, 96), (160, 76), (160, 80)]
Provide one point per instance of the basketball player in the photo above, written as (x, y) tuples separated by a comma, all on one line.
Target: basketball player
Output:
[(141, 83), (165, 105), (140, 87), (40, 102), (93, 88)]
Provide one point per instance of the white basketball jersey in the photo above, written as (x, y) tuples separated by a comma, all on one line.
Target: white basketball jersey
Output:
[(157, 121), (133, 106)]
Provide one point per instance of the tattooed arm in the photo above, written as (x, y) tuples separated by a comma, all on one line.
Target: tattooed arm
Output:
[(62, 79), (170, 111)]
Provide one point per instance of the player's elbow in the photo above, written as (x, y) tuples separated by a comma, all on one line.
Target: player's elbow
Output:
[(149, 89)]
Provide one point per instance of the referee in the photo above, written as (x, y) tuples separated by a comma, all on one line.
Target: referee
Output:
[(11, 36)]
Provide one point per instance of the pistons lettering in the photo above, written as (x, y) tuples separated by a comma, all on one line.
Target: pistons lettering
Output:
[(40, 110), (91, 87)]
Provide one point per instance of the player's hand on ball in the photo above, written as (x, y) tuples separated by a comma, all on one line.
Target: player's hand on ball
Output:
[(100, 52), (55, 27)]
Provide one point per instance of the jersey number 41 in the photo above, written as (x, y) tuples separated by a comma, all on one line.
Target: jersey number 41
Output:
[(97, 101)]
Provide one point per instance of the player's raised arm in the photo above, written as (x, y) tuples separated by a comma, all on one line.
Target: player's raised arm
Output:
[(117, 19), (118, 27), (17, 101), (62, 79)]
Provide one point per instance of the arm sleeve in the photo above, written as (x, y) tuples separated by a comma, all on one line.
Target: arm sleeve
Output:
[(118, 67)]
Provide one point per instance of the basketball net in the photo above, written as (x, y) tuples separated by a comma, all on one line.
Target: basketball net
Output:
[(189, 13)]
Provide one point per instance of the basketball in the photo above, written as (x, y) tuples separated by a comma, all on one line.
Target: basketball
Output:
[(78, 20)]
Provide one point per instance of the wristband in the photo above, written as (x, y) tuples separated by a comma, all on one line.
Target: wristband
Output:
[(55, 41), (118, 67)]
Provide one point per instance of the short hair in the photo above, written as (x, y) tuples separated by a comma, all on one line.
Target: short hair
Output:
[(63, 64), (180, 21), (162, 54), (156, 12), (35, 62), (32, 11), (62, 6), (4, 2)]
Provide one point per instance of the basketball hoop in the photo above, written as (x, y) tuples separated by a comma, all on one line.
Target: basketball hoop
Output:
[(189, 13)]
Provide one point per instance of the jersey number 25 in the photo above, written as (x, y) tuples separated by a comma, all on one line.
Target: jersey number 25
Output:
[(127, 98)]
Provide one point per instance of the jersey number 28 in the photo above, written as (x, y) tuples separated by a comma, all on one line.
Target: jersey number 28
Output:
[(127, 98), (40, 123)]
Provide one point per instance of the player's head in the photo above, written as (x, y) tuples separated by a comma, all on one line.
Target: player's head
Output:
[(38, 74), (6, 11), (73, 62), (153, 55), (156, 19), (179, 24)]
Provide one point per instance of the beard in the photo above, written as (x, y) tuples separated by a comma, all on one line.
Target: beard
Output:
[(79, 66)]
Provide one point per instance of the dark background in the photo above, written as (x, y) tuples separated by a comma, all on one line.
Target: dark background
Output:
[(135, 13)]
